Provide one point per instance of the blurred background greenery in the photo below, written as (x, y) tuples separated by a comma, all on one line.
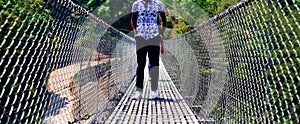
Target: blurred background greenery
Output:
[(182, 15)]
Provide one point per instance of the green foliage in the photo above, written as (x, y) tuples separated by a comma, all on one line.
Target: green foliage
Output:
[(90, 5), (192, 12), (214, 7)]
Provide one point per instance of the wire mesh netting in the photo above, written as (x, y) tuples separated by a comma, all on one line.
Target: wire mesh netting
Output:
[(61, 64), (248, 61)]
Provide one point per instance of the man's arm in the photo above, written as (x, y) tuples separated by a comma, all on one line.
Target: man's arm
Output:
[(163, 25), (133, 22), (164, 22)]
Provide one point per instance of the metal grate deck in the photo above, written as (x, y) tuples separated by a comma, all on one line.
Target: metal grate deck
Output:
[(171, 108)]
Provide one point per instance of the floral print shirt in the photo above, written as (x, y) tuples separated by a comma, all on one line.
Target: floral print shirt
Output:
[(147, 17)]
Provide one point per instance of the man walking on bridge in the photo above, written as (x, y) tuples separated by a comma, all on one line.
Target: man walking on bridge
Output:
[(148, 36)]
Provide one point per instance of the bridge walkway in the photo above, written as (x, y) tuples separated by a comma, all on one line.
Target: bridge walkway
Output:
[(171, 108)]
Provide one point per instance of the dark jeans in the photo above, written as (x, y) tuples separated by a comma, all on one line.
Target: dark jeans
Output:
[(152, 47), (149, 64)]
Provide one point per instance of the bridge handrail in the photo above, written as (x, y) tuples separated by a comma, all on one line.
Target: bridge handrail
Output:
[(247, 56), (73, 53)]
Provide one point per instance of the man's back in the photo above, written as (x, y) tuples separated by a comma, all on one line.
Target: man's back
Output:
[(147, 17)]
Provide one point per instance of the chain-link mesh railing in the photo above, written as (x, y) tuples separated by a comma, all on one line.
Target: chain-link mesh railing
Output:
[(60, 64), (248, 64)]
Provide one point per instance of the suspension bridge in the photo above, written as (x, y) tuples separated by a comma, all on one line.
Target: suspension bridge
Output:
[(61, 64)]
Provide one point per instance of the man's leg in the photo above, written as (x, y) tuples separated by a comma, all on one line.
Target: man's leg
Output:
[(141, 60), (149, 64), (154, 71)]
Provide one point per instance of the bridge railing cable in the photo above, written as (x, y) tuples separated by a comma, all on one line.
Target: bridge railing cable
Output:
[(59, 63), (248, 62)]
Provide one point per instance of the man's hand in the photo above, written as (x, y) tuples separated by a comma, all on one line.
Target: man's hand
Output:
[(162, 49)]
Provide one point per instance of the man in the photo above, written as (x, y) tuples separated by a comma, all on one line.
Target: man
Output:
[(148, 36)]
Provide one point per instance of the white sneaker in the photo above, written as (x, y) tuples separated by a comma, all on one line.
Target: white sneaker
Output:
[(154, 95), (137, 95)]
